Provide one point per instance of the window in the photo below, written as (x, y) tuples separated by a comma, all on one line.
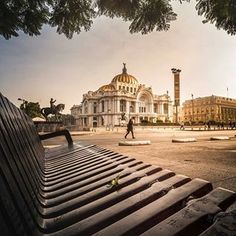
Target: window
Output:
[(165, 108), (103, 106), (123, 105), (85, 107), (131, 89), (94, 107), (155, 108)]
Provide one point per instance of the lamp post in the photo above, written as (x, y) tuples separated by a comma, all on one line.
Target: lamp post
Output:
[(192, 109), (167, 93), (176, 73), (24, 103)]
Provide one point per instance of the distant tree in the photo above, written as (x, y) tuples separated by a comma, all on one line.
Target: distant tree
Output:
[(73, 16), (68, 119), (32, 109)]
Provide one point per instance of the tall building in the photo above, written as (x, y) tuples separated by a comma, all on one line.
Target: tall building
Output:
[(114, 103), (212, 108)]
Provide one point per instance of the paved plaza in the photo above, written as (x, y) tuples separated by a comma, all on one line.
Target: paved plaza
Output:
[(212, 160)]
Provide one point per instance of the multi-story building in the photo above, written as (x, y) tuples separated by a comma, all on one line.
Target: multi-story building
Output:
[(212, 108), (113, 104)]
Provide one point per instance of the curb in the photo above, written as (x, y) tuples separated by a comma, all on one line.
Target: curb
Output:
[(184, 140), (220, 138), (134, 143)]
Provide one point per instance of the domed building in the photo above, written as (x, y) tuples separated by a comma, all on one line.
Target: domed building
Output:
[(113, 104)]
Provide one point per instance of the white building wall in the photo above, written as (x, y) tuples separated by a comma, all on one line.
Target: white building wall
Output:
[(112, 113)]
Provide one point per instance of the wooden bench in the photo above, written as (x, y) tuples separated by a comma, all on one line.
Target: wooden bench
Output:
[(88, 190)]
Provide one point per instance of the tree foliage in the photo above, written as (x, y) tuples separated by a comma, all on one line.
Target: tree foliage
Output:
[(73, 16), (32, 109), (222, 13)]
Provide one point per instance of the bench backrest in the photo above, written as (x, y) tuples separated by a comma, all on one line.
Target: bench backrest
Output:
[(21, 168)]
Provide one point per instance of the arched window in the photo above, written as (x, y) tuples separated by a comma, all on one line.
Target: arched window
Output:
[(144, 103)]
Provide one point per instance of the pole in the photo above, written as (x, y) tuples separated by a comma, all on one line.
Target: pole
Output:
[(176, 113), (176, 73), (192, 109)]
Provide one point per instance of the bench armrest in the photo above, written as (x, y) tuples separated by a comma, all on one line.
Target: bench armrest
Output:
[(64, 132)]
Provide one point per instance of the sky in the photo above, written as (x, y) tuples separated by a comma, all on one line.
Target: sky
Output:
[(52, 66)]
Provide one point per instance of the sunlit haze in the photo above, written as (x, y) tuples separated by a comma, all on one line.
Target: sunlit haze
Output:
[(50, 65)]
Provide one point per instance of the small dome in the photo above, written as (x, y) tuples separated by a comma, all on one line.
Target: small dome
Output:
[(124, 77), (107, 88)]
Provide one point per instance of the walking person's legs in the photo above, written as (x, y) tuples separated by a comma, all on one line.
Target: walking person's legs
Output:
[(132, 132), (127, 133)]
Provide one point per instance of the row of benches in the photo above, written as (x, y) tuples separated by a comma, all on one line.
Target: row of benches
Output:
[(88, 190)]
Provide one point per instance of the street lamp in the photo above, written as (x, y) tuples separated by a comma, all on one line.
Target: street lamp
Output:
[(192, 109), (176, 73), (167, 93), (24, 103)]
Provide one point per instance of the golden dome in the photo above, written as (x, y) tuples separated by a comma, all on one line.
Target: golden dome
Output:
[(107, 88), (124, 77)]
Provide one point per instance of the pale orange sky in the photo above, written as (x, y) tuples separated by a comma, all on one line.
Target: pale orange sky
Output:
[(38, 68)]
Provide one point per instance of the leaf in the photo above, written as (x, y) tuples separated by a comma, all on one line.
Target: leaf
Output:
[(114, 182)]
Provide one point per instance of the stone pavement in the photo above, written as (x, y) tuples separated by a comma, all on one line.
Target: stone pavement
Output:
[(214, 161)]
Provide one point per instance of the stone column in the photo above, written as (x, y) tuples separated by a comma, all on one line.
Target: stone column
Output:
[(160, 108), (118, 105), (151, 107)]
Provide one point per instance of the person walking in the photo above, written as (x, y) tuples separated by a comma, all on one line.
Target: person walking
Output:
[(130, 127)]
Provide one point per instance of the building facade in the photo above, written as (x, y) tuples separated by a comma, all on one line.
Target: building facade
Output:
[(212, 108), (113, 104)]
